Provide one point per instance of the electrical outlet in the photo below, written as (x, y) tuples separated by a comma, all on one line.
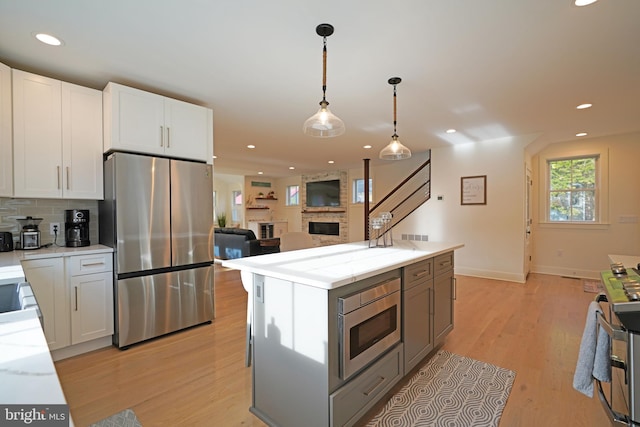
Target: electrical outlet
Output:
[(54, 228)]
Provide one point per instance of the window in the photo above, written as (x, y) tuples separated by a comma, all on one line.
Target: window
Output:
[(237, 197), (293, 195), (358, 190), (573, 189)]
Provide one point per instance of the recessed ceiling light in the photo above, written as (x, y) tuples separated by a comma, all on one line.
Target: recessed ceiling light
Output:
[(291, 168), (331, 162), (215, 157), (251, 146), (451, 131), (581, 134), (260, 173), (584, 2), (366, 146), (48, 39), (584, 106)]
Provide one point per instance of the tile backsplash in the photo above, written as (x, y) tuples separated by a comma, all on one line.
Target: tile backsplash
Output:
[(50, 210)]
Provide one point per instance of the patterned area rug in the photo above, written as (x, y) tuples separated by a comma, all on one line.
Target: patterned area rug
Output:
[(126, 418), (450, 390)]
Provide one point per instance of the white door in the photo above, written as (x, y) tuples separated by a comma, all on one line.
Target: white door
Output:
[(136, 120), (37, 135), (91, 306), (186, 130), (47, 281), (6, 142), (528, 222), (82, 142)]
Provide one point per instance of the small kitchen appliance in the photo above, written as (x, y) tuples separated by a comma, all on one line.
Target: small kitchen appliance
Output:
[(6, 241), (29, 234), (76, 228)]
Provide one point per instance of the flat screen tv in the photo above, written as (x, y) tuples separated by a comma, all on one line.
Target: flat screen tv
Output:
[(323, 193)]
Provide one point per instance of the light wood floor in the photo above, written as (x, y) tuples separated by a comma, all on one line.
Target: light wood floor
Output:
[(197, 377)]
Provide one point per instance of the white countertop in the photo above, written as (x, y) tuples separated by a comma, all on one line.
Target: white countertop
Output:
[(11, 269), (330, 267), (27, 372)]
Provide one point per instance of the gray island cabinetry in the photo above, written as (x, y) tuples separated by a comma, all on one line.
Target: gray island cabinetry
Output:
[(306, 362), (417, 299)]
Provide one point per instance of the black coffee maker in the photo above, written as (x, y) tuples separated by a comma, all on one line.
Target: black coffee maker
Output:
[(76, 228)]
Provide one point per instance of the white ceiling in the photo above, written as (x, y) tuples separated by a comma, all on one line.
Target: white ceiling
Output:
[(490, 69)]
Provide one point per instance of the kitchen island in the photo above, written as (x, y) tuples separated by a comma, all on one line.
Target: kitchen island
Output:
[(300, 372)]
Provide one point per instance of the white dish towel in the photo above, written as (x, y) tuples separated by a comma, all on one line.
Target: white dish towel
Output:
[(593, 358)]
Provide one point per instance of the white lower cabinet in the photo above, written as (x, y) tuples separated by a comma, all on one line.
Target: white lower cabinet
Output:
[(75, 295), (46, 276), (90, 280)]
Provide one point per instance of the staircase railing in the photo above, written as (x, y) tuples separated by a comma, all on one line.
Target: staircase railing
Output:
[(405, 198)]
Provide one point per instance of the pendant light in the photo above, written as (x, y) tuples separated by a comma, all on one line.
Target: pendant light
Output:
[(395, 150), (324, 123)]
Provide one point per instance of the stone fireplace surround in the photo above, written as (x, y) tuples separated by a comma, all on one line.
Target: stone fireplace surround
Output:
[(326, 214)]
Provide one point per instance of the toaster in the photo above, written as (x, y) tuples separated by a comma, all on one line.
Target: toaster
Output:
[(6, 241)]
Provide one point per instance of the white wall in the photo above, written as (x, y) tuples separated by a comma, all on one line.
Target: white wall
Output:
[(582, 251), (493, 234)]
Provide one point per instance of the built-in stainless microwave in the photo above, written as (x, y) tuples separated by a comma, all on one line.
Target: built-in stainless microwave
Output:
[(369, 323)]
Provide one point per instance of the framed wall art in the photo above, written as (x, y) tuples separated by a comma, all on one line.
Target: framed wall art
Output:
[(473, 190)]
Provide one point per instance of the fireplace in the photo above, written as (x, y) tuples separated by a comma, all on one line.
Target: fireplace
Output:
[(325, 228)]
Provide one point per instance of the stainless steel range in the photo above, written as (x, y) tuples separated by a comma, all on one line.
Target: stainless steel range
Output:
[(622, 293)]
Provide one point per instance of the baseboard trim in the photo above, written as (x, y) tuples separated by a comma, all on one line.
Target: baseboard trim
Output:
[(488, 274), (85, 347), (566, 272)]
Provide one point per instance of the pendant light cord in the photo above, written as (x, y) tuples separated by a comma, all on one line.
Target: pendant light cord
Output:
[(324, 69), (394, 111)]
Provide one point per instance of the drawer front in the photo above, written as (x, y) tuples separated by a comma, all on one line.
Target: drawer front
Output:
[(88, 264), (443, 263), (418, 272), (349, 403)]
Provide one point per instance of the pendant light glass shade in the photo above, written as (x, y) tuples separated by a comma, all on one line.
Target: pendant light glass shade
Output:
[(324, 123), (395, 150)]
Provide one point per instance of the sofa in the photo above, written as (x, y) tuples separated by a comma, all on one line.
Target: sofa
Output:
[(231, 243)]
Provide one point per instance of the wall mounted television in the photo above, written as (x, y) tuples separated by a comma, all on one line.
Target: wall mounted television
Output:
[(323, 193)]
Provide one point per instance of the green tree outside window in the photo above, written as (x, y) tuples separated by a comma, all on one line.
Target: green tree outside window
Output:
[(572, 189)]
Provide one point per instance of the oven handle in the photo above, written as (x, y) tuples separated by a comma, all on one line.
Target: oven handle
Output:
[(618, 334), (614, 332), (613, 415)]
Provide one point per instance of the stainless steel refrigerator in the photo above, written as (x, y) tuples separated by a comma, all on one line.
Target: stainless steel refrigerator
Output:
[(157, 215)]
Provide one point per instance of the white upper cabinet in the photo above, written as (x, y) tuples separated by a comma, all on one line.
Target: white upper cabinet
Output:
[(144, 122), (82, 142), (6, 151), (57, 138)]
